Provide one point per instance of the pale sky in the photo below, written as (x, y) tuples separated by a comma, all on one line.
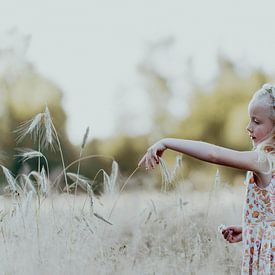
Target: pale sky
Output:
[(91, 49)]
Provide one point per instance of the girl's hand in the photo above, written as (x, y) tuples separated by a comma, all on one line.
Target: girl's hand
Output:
[(151, 158), (233, 233)]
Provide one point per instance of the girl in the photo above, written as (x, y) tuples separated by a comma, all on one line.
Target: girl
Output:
[(258, 230)]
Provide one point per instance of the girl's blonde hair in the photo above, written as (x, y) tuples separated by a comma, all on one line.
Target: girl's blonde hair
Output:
[(266, 149)]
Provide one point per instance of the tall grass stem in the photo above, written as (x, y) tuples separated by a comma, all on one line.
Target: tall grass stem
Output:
[(120, 191)]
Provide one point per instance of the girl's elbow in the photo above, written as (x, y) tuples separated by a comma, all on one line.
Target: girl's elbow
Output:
[(213, 157)]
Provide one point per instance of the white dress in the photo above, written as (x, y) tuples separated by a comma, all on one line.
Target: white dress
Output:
[(259, 228)]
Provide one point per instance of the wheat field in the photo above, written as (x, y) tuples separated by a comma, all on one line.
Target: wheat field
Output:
[(147, 233), (43, 231)]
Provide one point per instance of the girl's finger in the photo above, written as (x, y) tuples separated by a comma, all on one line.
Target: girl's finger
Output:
[(234, 239), (150, 155), (231, 240), (151, 162), (154, 154), (157, 160), (225, 233), (229, 237), (146, 163)]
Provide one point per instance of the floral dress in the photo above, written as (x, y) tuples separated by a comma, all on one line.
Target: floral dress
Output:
[(259, 228)]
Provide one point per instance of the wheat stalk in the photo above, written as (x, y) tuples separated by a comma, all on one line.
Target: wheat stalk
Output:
[(113, 176), (101, 218), (30, 127), (27, 154), (27, 183), (85, 137), (77, 161), (82, 181), (120, 191), (42, 127), (44, 185), (165, 174), (48, 127), (10, 179), (178, 165)]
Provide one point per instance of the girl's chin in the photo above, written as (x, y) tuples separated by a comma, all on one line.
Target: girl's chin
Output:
[(255, 143)]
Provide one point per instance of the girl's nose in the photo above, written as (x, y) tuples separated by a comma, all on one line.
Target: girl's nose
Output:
[(248, 128)]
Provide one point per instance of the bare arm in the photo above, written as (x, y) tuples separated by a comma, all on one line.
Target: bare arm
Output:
[(246, 160)]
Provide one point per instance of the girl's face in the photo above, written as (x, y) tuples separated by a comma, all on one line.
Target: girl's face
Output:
[(260, 125)]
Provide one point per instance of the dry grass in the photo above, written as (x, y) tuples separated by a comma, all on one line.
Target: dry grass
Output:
[(152, 233), (173, 232)]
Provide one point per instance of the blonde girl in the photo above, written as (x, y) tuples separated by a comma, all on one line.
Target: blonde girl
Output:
[(257, 232)]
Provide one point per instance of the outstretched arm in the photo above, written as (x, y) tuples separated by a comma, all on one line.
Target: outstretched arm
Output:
[(246, 160)]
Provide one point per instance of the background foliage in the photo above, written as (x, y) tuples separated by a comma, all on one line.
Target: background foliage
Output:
[(215, 112)]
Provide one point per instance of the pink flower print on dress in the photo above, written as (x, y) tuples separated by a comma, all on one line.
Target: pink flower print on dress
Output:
[(255, 214)]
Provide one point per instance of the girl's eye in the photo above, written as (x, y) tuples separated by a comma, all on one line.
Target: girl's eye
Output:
[(256, 121)]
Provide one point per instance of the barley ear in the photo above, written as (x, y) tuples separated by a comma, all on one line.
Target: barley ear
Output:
[(30, 127), (165, 174), (113, 176), (10, 179), (85, 137)]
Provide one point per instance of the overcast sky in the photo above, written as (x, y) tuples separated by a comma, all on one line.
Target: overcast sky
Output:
[(91, 48)]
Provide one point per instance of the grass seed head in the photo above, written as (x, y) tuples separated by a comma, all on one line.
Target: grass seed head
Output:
[(48, 127), (30, 127), (27, 184), (10, 179), (27, 153), (44, 184), (39, 128), (165, 173), (85, 137), (81, 181), (113, 177)]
